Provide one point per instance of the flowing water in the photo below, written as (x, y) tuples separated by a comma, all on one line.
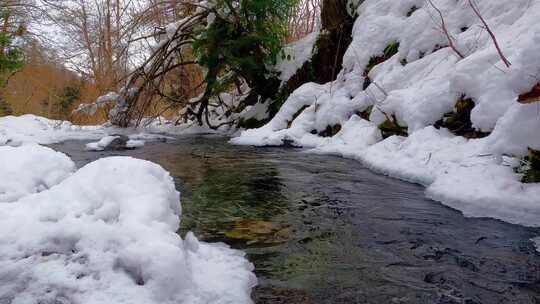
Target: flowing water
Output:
[(322, 229)]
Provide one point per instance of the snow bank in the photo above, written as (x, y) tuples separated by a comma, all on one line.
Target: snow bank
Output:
[(19, 130), (16, 130), (30, 169), (107, 234), (419, 84)]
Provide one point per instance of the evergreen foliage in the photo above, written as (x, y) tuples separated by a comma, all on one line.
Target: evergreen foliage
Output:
[(11, 59), (67, 99), (245, 38)]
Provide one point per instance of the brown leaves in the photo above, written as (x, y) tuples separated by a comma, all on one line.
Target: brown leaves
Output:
[(530, 97)]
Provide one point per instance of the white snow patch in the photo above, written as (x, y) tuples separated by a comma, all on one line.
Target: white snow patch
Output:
[(295, 55), (30, 169), (107, 234), (17, 130), (134, 143)]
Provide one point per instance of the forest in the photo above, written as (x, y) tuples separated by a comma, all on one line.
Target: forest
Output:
[(269, 151)]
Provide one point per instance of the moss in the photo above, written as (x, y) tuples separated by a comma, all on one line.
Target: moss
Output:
[(532, 172), (459, 121), (251, 123), (388, 52), (391, 127), (296, 115), (366, 113), (330, 131), (276, 104)]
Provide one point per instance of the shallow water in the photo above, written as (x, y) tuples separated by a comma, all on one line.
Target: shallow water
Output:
[(322, 229)]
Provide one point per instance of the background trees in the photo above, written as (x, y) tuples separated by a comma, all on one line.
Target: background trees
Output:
[(11, 57), (102, 42)]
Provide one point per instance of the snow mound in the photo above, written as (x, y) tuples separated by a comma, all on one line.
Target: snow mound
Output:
[(30, 169), (107, 234), (418, 80)]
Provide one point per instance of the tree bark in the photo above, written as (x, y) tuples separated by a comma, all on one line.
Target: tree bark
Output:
[(332, 43)]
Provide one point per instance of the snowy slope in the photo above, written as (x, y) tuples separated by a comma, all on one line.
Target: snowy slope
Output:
[(419, 84), (107, 234)]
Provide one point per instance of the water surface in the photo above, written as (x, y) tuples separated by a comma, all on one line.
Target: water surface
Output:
[(323, 229)]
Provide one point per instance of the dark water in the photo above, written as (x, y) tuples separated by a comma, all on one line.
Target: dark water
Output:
[(322, 229)]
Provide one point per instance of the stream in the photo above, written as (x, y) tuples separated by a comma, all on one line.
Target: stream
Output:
[(323, 229)]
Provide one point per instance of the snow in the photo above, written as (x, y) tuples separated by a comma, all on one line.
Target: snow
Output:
[(17, 130), (101, 144), (105, 234), (134, 143), (20, 130), (295, 55), (537, 241), (30, 169), (419, 84), (104, 142)]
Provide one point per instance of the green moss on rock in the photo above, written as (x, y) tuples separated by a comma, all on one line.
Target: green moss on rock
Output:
[(532, 173), (391, 127), (459, 121)]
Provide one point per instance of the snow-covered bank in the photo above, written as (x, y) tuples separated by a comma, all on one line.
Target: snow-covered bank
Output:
[(417, 85), (17, 130), (104, 234)]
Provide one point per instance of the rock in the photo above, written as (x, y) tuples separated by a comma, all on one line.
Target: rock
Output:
[(114, 143), (118, 143)]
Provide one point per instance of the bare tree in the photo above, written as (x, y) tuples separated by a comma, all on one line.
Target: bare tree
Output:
[(304, 19), (98, 37)]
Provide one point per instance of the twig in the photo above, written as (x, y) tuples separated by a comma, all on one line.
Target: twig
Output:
[(445, 30), (490, 32)]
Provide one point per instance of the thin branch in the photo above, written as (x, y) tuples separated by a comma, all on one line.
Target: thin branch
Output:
[(490, 32), (445, 30)]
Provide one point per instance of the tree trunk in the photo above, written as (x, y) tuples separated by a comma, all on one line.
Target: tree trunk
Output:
[(335, 38)]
